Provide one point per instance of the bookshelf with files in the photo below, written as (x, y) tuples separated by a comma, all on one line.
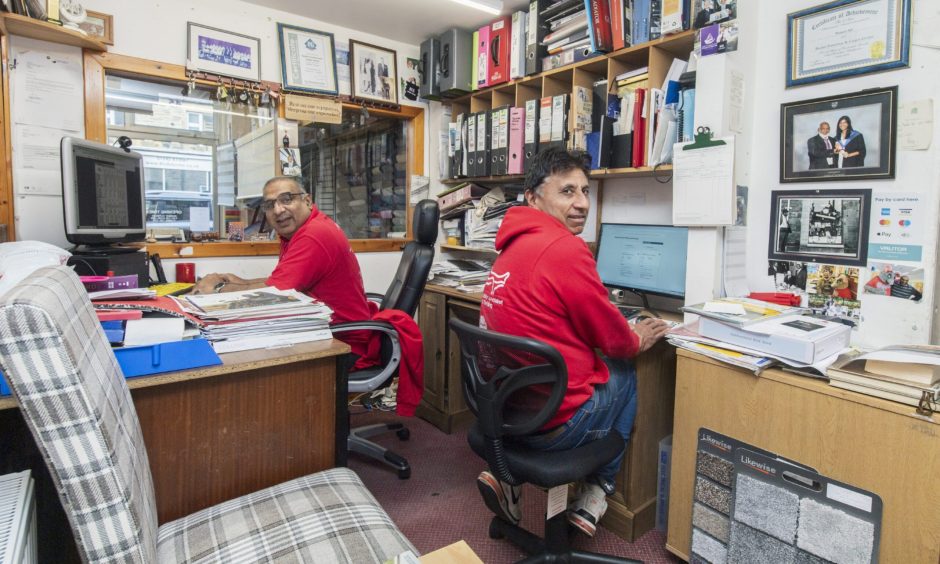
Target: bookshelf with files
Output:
[(656, 55)]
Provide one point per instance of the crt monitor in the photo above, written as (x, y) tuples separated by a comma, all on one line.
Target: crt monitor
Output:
[(646, 259), (102, 193)]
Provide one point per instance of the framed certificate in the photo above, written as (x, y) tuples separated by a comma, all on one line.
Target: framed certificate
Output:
[(308, 63), (847, 38)]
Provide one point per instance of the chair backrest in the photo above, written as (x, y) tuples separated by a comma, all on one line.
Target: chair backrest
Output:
[(514, 385), (416, 260), (76, 404)]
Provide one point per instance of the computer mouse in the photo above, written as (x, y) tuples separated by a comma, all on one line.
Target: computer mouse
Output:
[(640, 318)]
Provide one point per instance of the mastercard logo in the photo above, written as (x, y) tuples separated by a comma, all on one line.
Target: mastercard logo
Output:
[(904, 222), (885, 222)]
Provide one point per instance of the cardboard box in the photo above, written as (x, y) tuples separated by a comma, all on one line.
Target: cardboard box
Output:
[(457, 553), (796, 337)]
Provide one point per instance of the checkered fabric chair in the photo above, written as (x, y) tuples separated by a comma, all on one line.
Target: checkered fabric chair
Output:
[(77, 406)]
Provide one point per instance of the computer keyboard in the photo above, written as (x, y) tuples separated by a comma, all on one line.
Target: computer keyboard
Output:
[(628, 311), (172, 288)]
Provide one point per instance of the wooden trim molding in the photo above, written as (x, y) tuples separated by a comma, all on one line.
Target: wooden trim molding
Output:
[(257, 249), (7, 216)]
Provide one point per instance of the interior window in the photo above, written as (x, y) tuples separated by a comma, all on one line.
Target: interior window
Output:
[(186, 137)]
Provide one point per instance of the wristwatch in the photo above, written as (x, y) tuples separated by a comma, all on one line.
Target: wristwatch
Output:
[(218, 287)]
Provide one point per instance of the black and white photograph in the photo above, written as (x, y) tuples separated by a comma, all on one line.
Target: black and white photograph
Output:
[(788, 276), (374, 72), (707, 12), (828, 226), (839, 138)]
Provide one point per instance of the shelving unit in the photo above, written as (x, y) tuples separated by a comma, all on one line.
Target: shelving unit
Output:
[(16, 24), (599, 174), (446, 247)]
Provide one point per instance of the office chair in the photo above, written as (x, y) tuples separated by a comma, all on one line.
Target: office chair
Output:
[(76, 404), (498, 391), (403, 294)]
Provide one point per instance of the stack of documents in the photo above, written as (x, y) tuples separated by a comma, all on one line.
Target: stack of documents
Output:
[(907, 374), (262, 318), (463, 275)]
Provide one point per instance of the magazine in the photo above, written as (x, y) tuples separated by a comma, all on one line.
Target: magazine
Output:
[(741, 311)]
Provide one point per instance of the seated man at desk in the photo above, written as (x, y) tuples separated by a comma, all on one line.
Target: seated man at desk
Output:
[(315, 259), (545, 285)]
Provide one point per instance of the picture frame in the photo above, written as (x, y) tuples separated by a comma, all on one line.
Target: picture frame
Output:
[(870, 119), (817, 50), (99, 25), (308, 60), (820, 226), (223, 53), (373, 72)]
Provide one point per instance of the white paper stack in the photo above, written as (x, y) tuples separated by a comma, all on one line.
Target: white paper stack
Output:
[(261, 318)]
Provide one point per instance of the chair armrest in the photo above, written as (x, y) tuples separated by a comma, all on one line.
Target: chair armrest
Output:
[(375, 297), (368, 382)]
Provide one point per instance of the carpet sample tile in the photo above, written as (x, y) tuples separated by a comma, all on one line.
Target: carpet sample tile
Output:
[(708, 548), (803, 557), (833, 534), (750, 545), (712, 522), (718, 469), (696, 559), (713, 495), (766, 507)]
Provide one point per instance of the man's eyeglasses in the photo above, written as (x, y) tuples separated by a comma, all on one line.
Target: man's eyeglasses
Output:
[(284, 198)]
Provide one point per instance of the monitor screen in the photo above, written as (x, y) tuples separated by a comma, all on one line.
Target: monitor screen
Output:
[(644, 258), (102, 193)]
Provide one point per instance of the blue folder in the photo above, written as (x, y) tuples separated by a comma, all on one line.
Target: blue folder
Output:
[(166, 357)]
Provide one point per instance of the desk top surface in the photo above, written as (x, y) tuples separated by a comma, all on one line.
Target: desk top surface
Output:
[(240, 361)]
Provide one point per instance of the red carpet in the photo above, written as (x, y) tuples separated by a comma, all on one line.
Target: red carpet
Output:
[(440, 504)]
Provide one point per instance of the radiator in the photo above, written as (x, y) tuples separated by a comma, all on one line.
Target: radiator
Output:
[(17, 519)]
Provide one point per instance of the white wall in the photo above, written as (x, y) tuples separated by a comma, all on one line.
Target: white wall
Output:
[(157, 31), (884, 320)]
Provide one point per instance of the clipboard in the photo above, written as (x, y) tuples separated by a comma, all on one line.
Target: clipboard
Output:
[(703, 191)]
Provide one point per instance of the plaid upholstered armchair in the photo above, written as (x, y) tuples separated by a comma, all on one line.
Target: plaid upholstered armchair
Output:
[(77, 406)]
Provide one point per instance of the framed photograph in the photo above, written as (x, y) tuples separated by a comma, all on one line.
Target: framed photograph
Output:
[(848, 137), (98, 25), (708, 12), (820, 226), (374, 72), (847, 38), (308, 62), (222, 52)]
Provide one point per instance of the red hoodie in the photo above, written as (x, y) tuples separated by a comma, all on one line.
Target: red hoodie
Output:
[(544, 285)]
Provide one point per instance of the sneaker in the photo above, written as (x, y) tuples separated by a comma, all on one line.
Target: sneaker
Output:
[(501, 498), (588, 509)]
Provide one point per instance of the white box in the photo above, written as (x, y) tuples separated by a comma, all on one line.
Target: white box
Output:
[(796, 337)]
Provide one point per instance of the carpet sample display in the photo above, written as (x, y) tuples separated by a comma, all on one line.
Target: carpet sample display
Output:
[(803, 557), (751, 545), (718, 469), (834, 535), (766, 507), (708, 548), (712, 522), (713, 495)]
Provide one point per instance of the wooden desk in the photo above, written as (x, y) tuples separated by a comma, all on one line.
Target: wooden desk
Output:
[(632, 508), (877, 445), (213, 434)]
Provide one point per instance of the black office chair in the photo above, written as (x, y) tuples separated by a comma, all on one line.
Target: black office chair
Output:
[(403, 294), (498, 390)]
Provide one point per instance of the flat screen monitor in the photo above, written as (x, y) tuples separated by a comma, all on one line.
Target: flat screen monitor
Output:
[(643, 258), (102, 193)]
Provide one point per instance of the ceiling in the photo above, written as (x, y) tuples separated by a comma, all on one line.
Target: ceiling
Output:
[(408, 21)]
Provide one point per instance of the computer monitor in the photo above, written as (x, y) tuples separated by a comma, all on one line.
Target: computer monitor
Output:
[(102, 193), (645, 259)]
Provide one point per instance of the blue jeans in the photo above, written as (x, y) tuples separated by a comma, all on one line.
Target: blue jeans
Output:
[(611, 407)]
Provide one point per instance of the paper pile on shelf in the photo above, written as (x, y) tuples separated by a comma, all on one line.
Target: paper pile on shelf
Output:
[(461, 274), (261, 318)]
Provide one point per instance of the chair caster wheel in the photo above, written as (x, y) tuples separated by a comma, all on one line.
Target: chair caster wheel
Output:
[(495, 532), (404, 474), (403, 434)]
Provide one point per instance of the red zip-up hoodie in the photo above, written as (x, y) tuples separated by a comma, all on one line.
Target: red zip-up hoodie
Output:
[(544, 285)]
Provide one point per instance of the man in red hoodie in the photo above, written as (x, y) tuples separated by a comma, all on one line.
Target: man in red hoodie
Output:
[(545, 285), (315, 259)]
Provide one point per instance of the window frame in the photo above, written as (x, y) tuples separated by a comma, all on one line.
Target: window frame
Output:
[(96, 65)]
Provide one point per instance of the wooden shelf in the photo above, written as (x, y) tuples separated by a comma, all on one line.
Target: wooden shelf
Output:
[(680, 43), (598, 174), (37, 29), (445, 247)]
